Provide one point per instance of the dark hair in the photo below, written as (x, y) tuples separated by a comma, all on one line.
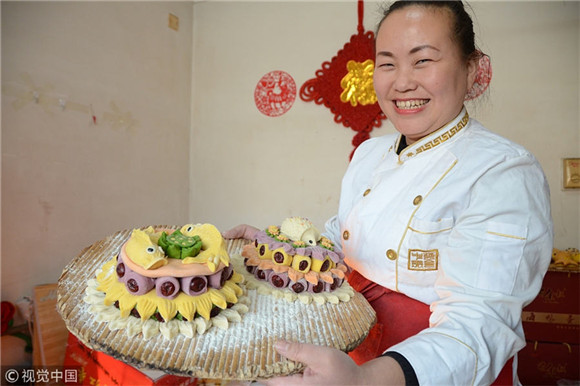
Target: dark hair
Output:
[(462, 29)]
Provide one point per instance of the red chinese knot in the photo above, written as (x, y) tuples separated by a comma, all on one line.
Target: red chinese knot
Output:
[(326, 87)]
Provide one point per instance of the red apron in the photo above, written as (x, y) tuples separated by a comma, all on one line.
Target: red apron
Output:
[(392, 327)]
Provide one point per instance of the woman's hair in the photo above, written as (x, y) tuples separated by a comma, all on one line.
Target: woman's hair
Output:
[(462, 29)]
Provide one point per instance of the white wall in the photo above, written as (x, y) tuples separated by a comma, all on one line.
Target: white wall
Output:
[(259, 169), (534, 94), (163, 152), (67, 183)]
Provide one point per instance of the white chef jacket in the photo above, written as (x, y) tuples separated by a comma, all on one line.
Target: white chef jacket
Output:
[(459, 220)]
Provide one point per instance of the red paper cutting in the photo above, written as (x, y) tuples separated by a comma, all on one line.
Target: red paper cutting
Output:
[(326, 87), (275, 93)]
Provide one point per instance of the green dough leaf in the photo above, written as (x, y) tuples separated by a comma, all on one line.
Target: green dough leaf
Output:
[(191, 251), (179, 246), (174, 251), (163, 242)]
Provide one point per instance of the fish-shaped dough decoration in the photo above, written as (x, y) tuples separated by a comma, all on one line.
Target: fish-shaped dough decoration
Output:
[(213, 245), (154, 234), (300, 229), (143, 251)]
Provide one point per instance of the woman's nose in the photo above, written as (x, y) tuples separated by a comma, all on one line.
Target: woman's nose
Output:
[(405, 80)]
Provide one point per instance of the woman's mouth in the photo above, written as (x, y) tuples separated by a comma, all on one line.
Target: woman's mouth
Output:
[(411, 104)]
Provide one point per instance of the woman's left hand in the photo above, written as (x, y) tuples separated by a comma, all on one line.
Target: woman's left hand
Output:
[(242, 231), (324, 365), (329, 366)]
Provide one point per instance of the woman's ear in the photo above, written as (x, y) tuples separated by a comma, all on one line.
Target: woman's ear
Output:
[(478, 75), (472, 67)]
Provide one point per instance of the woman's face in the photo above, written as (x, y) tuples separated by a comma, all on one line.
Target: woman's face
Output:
[(420, 78)]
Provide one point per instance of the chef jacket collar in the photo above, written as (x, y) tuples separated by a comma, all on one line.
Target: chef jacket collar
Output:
[(434, 139)]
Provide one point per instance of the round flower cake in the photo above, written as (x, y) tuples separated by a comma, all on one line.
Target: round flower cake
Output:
[(295, 261), (181, 278)]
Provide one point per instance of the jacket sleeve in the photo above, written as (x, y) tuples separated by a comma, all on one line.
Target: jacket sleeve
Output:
[(493, 265), (332, 230)]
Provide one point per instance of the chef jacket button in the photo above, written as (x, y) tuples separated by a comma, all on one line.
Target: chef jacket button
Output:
[(345, 235), (391, 254), (366, 192), (417, 200)]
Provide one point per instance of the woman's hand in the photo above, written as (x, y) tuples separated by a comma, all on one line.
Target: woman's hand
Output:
[(242, 231), (324, 365), (329, 366)]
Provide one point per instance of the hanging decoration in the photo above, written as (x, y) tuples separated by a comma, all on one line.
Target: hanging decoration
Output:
[(275, 93), (345, 85)]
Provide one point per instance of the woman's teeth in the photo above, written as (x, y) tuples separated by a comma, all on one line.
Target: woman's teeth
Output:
[(411, 104)]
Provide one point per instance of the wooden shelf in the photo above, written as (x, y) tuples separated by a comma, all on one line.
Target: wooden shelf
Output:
[(50, 333)]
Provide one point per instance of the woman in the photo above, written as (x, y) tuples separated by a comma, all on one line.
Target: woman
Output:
[(446, 225)]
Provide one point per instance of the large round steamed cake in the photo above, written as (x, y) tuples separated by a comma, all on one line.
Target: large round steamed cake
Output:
[(242, 351)]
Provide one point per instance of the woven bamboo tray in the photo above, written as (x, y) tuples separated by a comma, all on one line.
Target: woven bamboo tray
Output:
[(244, 351)]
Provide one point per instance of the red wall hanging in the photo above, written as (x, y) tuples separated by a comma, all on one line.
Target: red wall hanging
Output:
[(345, 85), (275, 93)]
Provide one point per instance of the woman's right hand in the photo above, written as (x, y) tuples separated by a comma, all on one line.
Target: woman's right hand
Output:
[(242, 231)]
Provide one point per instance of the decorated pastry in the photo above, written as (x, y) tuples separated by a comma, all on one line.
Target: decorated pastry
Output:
[(144, 251), (181, 278), (569, 258), (230, 343), (295, 261)]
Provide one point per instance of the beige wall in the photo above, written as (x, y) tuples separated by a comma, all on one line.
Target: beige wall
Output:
[(67, 183), (267, 168), (165, 152), (534, 97)]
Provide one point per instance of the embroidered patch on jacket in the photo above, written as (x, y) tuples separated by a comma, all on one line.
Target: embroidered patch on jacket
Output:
[(420, 260)]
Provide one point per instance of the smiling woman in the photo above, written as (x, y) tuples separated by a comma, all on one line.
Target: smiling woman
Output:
[(445, 225), (421, 75)]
